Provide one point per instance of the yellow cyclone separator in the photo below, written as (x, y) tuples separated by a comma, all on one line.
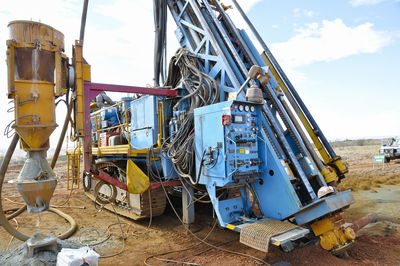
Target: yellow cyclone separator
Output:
[(136, 181)]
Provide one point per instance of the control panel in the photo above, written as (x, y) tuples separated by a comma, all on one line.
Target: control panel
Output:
[(226, 139), (241, 142)]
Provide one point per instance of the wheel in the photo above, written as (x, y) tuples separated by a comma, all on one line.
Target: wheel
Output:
[(387, 160)]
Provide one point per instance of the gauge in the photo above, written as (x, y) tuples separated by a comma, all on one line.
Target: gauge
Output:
[(234, 106), (240, 108), (246, 108), (252, 108)]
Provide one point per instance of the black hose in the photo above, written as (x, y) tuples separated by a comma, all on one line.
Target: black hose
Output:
[(62, 135), (160, 40)]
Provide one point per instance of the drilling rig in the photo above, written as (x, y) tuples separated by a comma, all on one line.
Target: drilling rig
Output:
[(223, 124)]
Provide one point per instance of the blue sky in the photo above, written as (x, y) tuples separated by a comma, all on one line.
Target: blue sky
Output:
[(353, 88), (342, 56)]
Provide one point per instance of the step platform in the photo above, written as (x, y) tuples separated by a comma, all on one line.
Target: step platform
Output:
[(260, 234)]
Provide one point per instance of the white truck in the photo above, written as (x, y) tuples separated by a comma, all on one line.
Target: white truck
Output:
[(391, 149)]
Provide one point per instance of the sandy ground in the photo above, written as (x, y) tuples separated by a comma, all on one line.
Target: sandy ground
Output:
[(378, 244)]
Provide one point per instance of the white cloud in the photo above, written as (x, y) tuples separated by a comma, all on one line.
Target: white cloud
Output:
[(365, 2), (359, 124), (329, 41), (118, 39), (297, 12)]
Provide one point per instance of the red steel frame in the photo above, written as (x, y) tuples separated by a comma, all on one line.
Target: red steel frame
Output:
[(90, 91)]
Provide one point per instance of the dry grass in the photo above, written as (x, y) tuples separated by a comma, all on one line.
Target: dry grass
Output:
[(363, 174), (366, 182)]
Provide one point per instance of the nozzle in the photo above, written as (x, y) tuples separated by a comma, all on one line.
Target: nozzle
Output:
[(36, 182)]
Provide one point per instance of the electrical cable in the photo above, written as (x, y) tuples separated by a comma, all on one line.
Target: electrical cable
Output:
[(180, 250), (201, 241), (120, 226), (201, 90), (194, 235)]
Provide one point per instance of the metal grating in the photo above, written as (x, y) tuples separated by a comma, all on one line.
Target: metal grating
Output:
[(257, 235)]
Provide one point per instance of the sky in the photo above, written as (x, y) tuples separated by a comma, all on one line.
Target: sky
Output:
[(342, 56)]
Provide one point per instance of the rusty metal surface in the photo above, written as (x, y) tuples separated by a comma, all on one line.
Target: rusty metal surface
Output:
[(362, 222)]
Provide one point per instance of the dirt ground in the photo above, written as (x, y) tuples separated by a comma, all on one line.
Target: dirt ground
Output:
[(377, 244)]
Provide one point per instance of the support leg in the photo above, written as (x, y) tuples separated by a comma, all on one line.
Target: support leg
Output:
[(187, 206)]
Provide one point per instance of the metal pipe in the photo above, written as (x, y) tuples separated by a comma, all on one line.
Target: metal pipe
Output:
[(62, 136), (83, 21), (362, 222), (236, 33), (285, 79), (226, 40), (303, 136), (3, 169), (289, 151)]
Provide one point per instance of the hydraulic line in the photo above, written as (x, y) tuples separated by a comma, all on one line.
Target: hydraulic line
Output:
[(303, 136), (253, 61), (226, 40), (234, 31), (3, 169), (290, 86), (62, 135), (289, 151), (160, 25)]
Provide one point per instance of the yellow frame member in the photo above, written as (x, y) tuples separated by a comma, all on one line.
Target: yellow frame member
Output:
[(329, 173)]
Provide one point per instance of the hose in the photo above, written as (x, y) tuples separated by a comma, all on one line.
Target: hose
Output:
[(3, 169), (62, 135), (4, 219)]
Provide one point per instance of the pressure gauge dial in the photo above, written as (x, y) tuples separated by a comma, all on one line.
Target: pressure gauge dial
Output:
[(241, 108), (246, 108), (252, 108)]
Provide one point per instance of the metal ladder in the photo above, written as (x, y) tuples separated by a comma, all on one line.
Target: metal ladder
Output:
[(73, 167)]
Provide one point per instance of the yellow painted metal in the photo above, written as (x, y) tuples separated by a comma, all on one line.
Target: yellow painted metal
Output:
[(333, 235), (78, 62), (74, 166), (322, 226), (61, 72), (136, 181), (231, 226), (329, 176), (86, 72), (34, 112), (118, 150), (161, 120), (303, 119), (25, 31), (225, 7), (10, 68), (287, 168), (34, 57)]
